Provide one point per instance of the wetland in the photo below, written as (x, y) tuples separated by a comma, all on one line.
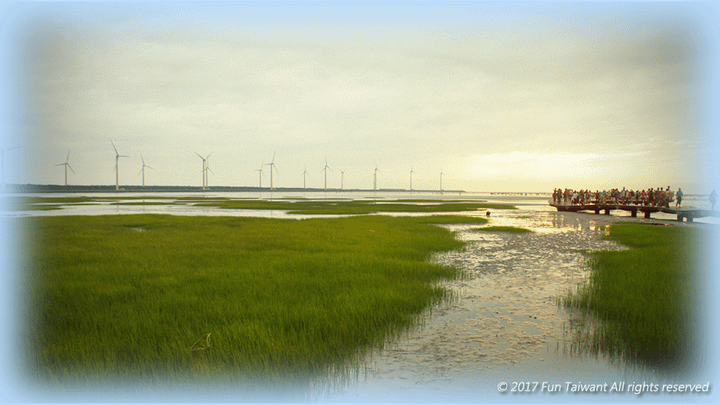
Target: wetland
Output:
[(489, 306)]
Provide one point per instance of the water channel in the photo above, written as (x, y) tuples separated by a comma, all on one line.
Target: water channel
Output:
[(504, 327)]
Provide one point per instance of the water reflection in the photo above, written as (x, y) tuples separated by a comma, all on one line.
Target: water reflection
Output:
[(506, 321), (504, 324)]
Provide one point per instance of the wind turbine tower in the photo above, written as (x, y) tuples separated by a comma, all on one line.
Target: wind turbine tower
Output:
[(441, 174), (325, 170), (117, 162), (272, 166), (66, 164), (305, 174), (141, 170), (342, 179), (205, 168), (411, 173), (260, 174), (375, 177)]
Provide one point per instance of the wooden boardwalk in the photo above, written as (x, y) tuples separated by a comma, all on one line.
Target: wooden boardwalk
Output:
[(682, 213)]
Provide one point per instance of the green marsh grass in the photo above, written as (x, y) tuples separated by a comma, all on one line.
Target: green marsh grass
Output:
[(354, 207), (298, 205), (644, 297), (177, 299)]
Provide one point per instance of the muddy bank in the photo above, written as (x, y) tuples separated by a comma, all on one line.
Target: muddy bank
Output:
[(505, 323)]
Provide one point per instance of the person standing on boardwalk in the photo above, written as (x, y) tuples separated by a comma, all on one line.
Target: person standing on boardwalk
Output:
[(679, 196), (713, 197)]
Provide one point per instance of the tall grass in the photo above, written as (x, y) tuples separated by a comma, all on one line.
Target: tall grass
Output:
[(188, 298), (645, 297)]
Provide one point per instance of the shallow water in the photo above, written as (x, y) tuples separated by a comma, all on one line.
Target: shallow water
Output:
[(505, 324)]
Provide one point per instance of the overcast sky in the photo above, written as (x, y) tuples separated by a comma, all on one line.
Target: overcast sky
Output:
[(497, 96)]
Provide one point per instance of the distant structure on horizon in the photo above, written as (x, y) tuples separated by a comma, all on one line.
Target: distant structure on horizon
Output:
[(272, 166), (117, 164), (67, 164), (143, 169), (375, 177), (204, 169)]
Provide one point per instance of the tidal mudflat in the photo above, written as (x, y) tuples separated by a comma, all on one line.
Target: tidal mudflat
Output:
[(502, 324), (506, 324)]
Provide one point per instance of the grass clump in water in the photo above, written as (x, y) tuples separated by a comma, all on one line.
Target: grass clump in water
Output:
[(355, 207), (194, 298), (645, 296)]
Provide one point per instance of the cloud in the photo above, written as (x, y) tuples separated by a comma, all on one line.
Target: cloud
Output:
[(552, 166), (441, 93)]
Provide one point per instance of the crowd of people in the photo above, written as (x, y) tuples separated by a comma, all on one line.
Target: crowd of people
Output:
[(652, 197)]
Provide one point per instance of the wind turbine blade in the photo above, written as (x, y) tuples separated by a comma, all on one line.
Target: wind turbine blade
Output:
[(113, 144), (208, 156), (71, 169), (67, 159)]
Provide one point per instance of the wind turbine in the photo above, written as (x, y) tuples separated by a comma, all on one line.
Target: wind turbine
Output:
[(260, 174), (305, 174), (2, 163), (411, 173), (272, 166), (204, 169), (342, 178), (207, 167), (375, 177), (66, 164), (441, 173), (117, 161), (325, 170), (141, 170)]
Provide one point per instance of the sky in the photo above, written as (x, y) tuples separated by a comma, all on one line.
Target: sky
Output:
[(485, 96)]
